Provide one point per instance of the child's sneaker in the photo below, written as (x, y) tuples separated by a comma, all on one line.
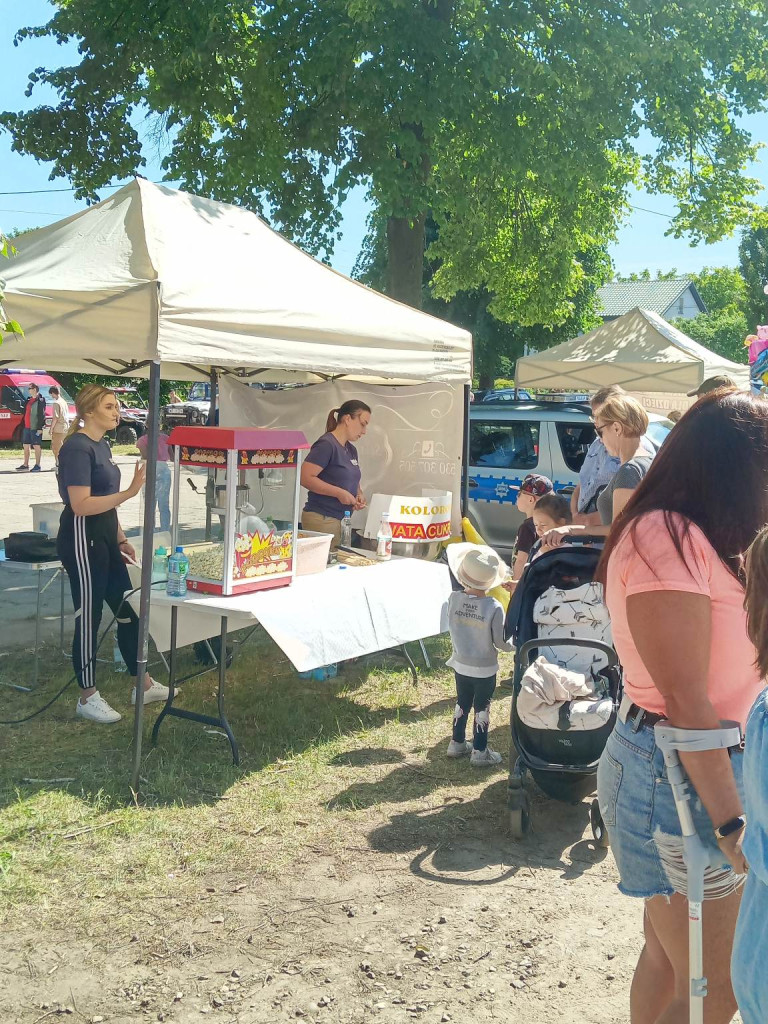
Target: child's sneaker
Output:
[(484, 758), (459, 749)]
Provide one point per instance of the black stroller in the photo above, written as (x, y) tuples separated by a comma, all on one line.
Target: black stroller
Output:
[(561, 760)]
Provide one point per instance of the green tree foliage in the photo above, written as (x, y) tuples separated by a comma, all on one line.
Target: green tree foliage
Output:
[(7, 326), (725, 325), (497, 344), (753, 263), (512, 125), (645, 275), (721, 288), (723, 332)]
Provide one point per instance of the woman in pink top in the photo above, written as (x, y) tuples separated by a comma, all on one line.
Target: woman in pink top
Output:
[(673, 572), (163, 477)]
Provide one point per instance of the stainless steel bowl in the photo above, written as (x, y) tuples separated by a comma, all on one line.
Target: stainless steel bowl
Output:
[(408, 549)]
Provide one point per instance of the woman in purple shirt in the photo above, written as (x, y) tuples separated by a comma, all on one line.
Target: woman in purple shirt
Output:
[(331, 472)]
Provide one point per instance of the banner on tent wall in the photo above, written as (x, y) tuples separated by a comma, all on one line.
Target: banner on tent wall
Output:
[(413, 443), (663, 404)]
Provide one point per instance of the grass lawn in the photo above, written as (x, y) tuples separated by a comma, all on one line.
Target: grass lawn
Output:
[(10, 452), (357, 759)]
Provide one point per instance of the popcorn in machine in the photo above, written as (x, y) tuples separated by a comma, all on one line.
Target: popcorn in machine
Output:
[(253, 489)]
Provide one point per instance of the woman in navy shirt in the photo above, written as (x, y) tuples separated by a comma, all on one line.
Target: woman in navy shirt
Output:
[(91, 545), (331, 472)]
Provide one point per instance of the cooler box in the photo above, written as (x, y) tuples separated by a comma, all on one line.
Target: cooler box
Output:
[(46, 516)]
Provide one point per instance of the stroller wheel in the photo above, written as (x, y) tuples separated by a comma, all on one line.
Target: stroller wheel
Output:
[(599, 830), (520, 817)]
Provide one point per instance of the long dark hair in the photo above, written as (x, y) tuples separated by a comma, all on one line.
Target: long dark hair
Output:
[(352, 408), (713, 472), (755, 602)]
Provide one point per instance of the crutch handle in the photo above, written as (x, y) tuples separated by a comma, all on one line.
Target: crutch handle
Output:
[(669, 737)]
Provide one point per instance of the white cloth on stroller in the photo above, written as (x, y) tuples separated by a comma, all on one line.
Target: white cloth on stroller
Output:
[(578, 613), (546, 688)]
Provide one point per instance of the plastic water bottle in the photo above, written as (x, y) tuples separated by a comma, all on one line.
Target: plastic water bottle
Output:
[(346, 530), (117, 657), (178, 570), (159, 565), (384, 539)]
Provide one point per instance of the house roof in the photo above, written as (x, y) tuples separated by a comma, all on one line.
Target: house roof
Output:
[(618, 297)]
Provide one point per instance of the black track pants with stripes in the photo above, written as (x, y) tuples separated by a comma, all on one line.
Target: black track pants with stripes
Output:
[(88, 550)]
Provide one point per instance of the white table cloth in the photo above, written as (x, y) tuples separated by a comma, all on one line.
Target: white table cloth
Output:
[(341, 613)]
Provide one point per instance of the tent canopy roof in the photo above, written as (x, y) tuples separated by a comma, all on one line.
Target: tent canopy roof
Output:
[(153, 273), (640, 351)]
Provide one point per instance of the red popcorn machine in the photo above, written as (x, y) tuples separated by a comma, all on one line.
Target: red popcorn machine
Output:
[(251, 486)]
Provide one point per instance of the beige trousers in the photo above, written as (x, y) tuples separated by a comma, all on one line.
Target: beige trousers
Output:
[(316, 523), (57, 440)]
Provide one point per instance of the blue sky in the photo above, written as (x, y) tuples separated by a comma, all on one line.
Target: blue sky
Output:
[(641, 242)]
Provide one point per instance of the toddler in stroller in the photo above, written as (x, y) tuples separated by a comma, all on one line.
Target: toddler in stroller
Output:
[(566, 682)]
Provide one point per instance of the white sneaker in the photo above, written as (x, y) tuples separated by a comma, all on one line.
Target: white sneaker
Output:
[(96, 709), (459, 749), (485, 758), (155, 693)]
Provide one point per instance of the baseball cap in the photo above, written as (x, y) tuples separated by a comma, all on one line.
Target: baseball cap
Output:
[(537, 485), (720, 380)]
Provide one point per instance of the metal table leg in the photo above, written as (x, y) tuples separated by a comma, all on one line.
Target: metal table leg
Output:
[(62, 574), (219, 722), (36, 666), (168, 706), (425, 656)]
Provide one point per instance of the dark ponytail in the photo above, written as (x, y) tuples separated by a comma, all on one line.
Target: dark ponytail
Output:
[(352, 408)]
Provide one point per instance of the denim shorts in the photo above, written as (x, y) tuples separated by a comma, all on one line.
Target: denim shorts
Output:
[(32, 436), (639, 812), (748, 973)]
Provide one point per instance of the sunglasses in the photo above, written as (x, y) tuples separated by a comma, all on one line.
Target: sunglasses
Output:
[(601, 427)]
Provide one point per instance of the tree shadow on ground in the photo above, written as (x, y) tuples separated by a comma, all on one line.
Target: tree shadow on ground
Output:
[(275, 716)]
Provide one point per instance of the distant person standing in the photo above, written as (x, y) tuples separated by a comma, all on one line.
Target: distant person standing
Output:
[(162, 477), (174, 399), (34, 421), (59, 422)]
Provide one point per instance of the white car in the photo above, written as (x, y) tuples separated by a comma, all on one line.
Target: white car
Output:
[(512, 439)]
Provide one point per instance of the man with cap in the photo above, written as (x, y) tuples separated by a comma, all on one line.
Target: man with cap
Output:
[(720, 380)]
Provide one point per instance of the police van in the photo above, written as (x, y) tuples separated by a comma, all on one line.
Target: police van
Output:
[(507, 440)]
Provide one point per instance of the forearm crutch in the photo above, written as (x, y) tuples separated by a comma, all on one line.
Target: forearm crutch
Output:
[(671, 742)]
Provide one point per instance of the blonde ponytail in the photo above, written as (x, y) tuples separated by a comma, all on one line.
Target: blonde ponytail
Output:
[(87, 401)]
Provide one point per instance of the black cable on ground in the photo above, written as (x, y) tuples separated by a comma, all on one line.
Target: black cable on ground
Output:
[(34, 714)]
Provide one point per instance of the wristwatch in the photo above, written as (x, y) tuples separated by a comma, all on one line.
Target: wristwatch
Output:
[(734, 825)]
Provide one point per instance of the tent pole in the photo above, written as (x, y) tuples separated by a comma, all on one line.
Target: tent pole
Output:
[(214, 398), (517, 366), (465, 452), (146, 567)]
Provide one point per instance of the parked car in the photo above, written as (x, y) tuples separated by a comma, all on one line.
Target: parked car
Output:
[(14, 392), (508, 395), (191, 412), (133, 416), (514, 438)]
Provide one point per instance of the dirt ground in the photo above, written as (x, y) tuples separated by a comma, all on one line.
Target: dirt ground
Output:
[(483, 928)]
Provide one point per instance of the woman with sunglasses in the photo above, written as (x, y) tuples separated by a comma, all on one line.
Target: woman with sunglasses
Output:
[(620, 423)]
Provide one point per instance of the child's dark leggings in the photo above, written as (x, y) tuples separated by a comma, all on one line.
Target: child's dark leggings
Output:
[(473, 693)]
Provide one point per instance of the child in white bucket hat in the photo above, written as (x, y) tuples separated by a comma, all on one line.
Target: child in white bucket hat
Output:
[(476, 625)]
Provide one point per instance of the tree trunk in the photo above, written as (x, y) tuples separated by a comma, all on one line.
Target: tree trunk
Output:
[(485, 382), (405, 261)]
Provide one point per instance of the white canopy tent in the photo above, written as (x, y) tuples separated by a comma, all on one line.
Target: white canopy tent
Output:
[(160, 283), (157, 274), (640, 351)]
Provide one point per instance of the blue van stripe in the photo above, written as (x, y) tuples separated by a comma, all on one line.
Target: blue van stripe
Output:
[(502, 490)]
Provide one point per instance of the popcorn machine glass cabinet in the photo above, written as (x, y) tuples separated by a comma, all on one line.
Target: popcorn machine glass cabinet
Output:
[(252, 506)]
